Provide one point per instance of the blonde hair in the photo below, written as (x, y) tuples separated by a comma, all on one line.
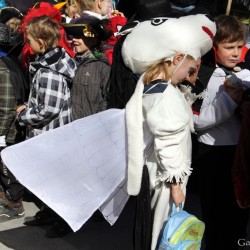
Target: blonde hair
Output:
[(156, 69), (14, 23), (85, 4), (44, 28), (161, 67)]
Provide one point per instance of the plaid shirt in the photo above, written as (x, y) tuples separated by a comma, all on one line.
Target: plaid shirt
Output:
[(49, 104), (7, 105)]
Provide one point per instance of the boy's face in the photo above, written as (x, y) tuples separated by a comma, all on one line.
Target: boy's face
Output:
[(82, 45), (228, 54)]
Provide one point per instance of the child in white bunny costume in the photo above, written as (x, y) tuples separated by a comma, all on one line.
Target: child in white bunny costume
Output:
[(155, 50)]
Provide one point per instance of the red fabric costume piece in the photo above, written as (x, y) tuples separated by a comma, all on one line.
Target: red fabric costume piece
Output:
[(241, 166), (115, 24), (39, 10), (244, 51)]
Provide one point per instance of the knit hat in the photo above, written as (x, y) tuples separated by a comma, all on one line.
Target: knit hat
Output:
[(9, 12), (87, 26), (162, 38)]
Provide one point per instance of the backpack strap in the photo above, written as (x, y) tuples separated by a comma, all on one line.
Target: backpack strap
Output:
[(175, 209)]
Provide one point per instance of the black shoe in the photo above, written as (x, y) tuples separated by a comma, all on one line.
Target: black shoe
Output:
[(45, 216), (59, 229)]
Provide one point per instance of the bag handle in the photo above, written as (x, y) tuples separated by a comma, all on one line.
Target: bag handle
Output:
[(174, 208)]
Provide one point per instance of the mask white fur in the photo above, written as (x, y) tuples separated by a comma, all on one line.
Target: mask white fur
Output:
[(161, 38)]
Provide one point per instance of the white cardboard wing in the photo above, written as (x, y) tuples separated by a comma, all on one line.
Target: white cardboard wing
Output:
[(77, 168)]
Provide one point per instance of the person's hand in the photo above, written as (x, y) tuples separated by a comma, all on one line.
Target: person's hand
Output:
[(177, 194), (20, 109), (232, 81), (233, 86), (116, 13)]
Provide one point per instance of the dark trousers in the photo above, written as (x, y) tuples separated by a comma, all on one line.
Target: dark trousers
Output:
[(225, 222), (10, 185)]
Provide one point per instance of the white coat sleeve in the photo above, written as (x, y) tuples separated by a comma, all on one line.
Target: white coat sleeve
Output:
[(168, 119), (217, 105)]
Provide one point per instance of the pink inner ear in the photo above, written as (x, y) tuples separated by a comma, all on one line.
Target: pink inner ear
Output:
[(208, 31)]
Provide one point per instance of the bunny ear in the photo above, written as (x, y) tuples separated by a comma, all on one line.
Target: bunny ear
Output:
[(127, 28), (161, 38)]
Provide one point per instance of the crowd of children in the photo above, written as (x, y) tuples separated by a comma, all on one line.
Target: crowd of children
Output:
[(80, 57)]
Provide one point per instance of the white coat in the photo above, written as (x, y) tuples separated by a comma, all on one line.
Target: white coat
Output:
[(169, 118)]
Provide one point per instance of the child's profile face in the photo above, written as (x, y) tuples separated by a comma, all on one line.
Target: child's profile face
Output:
[(186, 68), (35, 45), (72, 10), (228, 54)]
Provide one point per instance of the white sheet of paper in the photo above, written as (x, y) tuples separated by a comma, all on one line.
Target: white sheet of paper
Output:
[(77, 168)]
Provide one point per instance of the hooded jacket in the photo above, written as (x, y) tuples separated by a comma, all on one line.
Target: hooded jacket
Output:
[(90, 86), (49, 104)]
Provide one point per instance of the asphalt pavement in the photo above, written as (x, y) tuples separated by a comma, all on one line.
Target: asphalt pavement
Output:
[(94, 235)]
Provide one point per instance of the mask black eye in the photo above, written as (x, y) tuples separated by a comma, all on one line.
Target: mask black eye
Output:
[(191, 72), (158, 21)]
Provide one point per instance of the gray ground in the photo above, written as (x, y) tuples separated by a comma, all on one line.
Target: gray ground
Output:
[(92, 236)]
